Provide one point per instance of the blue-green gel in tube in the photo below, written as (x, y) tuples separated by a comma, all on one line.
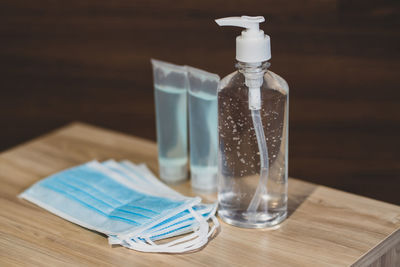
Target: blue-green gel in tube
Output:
[(170, 92), (203, 132)]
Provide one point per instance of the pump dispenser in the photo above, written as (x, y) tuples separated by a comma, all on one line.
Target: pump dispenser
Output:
[(252, 46), (252, 124)]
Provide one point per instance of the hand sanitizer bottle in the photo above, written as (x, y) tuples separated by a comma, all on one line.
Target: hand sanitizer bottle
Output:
[(252, 133)]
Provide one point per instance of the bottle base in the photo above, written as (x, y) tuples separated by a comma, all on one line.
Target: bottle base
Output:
[(259, 220), (203, 179), (173, 170)]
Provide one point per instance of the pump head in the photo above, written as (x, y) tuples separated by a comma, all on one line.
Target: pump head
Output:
[(252, 46)]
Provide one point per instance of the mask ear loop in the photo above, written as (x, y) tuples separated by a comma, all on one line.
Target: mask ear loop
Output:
[(198, 239), (172, 246), (178, 222), (210, 232), (190, 247), (175, 249), (179, 228), (139, 240), (214, 227), (206, 214), (114, 240), (132, 233), (173, 226)]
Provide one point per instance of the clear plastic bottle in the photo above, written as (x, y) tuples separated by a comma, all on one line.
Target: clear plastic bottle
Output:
[(253, 135), (239, 160)]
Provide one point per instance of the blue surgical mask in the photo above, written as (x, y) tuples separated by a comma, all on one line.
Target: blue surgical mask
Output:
[(100, 198), (179, 224)]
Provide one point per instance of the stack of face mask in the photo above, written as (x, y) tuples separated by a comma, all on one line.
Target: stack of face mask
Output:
[(129, 204)]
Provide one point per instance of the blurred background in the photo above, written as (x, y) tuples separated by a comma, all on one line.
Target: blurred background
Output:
[(64, 61)]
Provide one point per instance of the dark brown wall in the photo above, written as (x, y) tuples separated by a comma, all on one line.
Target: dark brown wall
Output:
[(62, 61)]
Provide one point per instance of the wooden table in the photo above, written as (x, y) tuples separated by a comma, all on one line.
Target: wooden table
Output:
[(326, 227)]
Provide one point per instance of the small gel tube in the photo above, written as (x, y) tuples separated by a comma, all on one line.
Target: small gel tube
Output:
[(203, 132), (170, 92)]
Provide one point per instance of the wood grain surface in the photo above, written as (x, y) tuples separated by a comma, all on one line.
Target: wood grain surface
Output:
[(62, 61), (326, 227)]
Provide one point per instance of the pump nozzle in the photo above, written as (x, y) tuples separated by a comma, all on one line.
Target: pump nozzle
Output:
[(251, 23), (253, 46)]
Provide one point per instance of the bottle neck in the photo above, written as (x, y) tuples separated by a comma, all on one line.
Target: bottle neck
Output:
[(259, 67), (253, 79)]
